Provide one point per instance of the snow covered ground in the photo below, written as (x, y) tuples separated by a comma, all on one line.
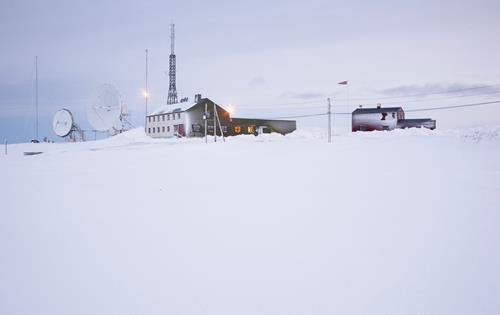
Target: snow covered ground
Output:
[(402, 222)]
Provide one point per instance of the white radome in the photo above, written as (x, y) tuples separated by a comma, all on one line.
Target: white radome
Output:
[(62, 123)]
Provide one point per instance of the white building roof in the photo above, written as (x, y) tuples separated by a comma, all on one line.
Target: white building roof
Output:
[(166, 109)]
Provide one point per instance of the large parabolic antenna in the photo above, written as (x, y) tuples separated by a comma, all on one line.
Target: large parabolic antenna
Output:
[(65, 126), (105, 111), (62, 123)]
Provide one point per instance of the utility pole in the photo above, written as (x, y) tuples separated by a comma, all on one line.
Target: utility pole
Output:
[(5, 146), (329, 121), (36, 96), (215, 128), (220, 126), (206, 122), (146, 94)]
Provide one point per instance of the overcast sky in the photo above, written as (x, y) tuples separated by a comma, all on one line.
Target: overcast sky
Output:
[(253, 55)]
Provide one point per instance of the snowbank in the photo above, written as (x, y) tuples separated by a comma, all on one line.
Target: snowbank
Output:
[(375, 223)]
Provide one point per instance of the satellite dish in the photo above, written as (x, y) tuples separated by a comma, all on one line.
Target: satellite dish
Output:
[(104, 112), (64, 126), (62, 123)]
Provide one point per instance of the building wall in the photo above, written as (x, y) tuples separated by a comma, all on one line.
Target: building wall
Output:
[(164, 125), (248, 126), (196, 124), (376, 121)]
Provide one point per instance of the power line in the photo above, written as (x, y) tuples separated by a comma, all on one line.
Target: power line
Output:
[(432, 93), (284, 104), (398, 102), (321, 100), (298, 116), (450, 107), (408, 110), (443, 98)]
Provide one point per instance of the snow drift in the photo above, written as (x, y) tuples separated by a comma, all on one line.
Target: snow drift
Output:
[(401, 222)]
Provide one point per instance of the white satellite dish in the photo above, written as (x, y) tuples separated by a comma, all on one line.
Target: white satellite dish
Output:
[(104, 112), (62, 123), (64, 126)]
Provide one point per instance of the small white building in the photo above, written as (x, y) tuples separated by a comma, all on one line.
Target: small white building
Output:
[(168, 121), (386, 118)]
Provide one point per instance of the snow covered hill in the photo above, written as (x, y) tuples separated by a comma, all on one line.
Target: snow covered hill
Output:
[(401, 222)]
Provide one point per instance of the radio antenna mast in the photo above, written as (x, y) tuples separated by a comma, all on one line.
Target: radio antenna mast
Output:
[(36, 97), (172, 88)]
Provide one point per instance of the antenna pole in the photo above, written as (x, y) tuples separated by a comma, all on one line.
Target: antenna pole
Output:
[(36, 97), (329, 121), (220, 126), (215, 128), (172, 39), (147, 95), (172, 87)]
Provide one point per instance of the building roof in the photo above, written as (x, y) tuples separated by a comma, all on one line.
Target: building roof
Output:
[(171, 108), (180, 107), (376, 110)]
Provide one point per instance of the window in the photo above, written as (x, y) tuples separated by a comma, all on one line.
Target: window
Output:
[(149, 130), (168, 128), (158, 129), (250, 129), (237, 129), (149, 118), (393, 115), (163, 128), (168, 116), (196, 127), (154, 129), (163, 117), (178, 115)]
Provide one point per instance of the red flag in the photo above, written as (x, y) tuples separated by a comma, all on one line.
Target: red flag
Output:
[(343, 82)]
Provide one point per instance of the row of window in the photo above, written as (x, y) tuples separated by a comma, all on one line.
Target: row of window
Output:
[(250, 129), (237, 129), (157, 129), (162, 117)]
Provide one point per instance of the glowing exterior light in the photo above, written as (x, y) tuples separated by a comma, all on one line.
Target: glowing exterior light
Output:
[(145, 94)]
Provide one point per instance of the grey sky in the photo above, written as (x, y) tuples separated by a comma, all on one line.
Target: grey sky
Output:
[(246, 54)]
